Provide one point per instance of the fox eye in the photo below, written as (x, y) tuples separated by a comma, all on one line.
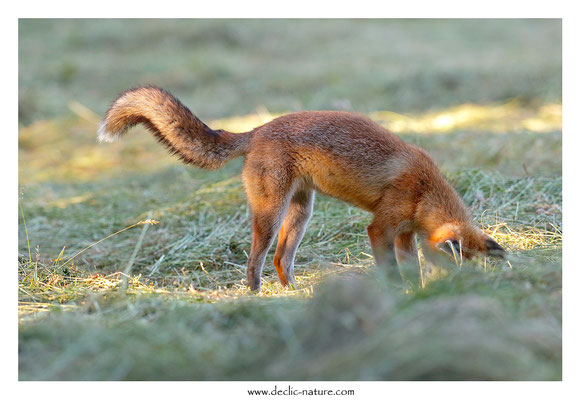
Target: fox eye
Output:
[(493, 249)]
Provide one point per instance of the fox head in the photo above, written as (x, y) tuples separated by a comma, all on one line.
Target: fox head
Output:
[(464, 241)]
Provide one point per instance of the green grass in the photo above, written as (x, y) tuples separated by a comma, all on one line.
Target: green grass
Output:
[(222, 68), (483, 97)]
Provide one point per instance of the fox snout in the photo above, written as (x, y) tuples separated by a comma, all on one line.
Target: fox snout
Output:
[(456, 250), (493, 249), (465, 243)]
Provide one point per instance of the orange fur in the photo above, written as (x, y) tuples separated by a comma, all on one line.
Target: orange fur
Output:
[(342, 154)]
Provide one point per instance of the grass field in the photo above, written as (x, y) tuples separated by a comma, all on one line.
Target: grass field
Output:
[(167, 301)]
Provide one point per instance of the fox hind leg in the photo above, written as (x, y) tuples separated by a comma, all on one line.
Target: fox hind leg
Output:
[(264, 227), (291, 233), (268, 195)]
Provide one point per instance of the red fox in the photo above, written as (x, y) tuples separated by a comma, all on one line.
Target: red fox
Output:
[(342, 154)]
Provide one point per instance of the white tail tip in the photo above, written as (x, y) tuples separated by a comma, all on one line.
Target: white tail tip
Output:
[(103, 135)]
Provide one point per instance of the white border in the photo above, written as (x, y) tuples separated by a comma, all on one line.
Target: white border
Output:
[(300, 8)]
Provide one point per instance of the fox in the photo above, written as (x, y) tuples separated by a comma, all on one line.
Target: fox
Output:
[(341, 154)]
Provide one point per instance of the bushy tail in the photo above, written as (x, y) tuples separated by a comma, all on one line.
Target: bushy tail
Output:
[(174, 125)]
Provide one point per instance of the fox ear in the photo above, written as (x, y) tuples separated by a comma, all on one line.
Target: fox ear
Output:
[(493, 249)]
